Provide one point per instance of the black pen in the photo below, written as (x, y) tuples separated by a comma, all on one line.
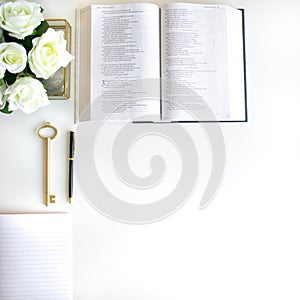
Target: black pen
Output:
[(71, 163)]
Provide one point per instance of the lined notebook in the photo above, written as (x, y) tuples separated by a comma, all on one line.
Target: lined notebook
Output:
[(35, 256)]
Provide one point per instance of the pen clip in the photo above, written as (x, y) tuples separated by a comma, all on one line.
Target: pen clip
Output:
[(74, 143)]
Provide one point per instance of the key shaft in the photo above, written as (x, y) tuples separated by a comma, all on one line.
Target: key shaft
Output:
[(48, 197)]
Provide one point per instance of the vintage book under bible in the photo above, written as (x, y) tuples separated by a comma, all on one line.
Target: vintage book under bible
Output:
[(180, 62)]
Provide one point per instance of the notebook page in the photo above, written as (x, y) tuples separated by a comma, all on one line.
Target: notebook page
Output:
[(35, 256)]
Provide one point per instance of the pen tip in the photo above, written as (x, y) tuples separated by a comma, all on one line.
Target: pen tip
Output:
[(70, 200)]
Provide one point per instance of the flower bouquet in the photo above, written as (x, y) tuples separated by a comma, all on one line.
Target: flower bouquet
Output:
[(30, 51)]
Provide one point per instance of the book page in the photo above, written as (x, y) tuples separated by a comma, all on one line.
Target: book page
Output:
[(35, 256), (194, 61), (124, 55), (237, 87)]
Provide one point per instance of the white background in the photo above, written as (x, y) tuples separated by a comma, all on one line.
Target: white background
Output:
[(245, 244)]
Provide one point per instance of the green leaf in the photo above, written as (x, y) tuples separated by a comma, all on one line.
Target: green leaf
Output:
[(10, 78), (8, 38), (42, 28), (27, 43), (5, 110), (27, 71)]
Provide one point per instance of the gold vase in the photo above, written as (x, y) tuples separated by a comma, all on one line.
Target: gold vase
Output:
[(58, 85)]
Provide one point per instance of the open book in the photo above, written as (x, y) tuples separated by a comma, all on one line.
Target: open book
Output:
[(181, 62)]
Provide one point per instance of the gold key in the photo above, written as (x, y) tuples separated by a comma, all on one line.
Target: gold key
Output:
[(47, 132)]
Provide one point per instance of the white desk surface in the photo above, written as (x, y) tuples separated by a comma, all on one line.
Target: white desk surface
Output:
[(245, 245)]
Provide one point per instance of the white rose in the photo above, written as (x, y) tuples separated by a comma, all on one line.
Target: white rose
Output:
[(2, 98), (48, 54), (20, 18), (26, 94), (13, 57)]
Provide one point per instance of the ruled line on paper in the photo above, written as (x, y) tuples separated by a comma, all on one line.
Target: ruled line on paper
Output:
[(35, 257)]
